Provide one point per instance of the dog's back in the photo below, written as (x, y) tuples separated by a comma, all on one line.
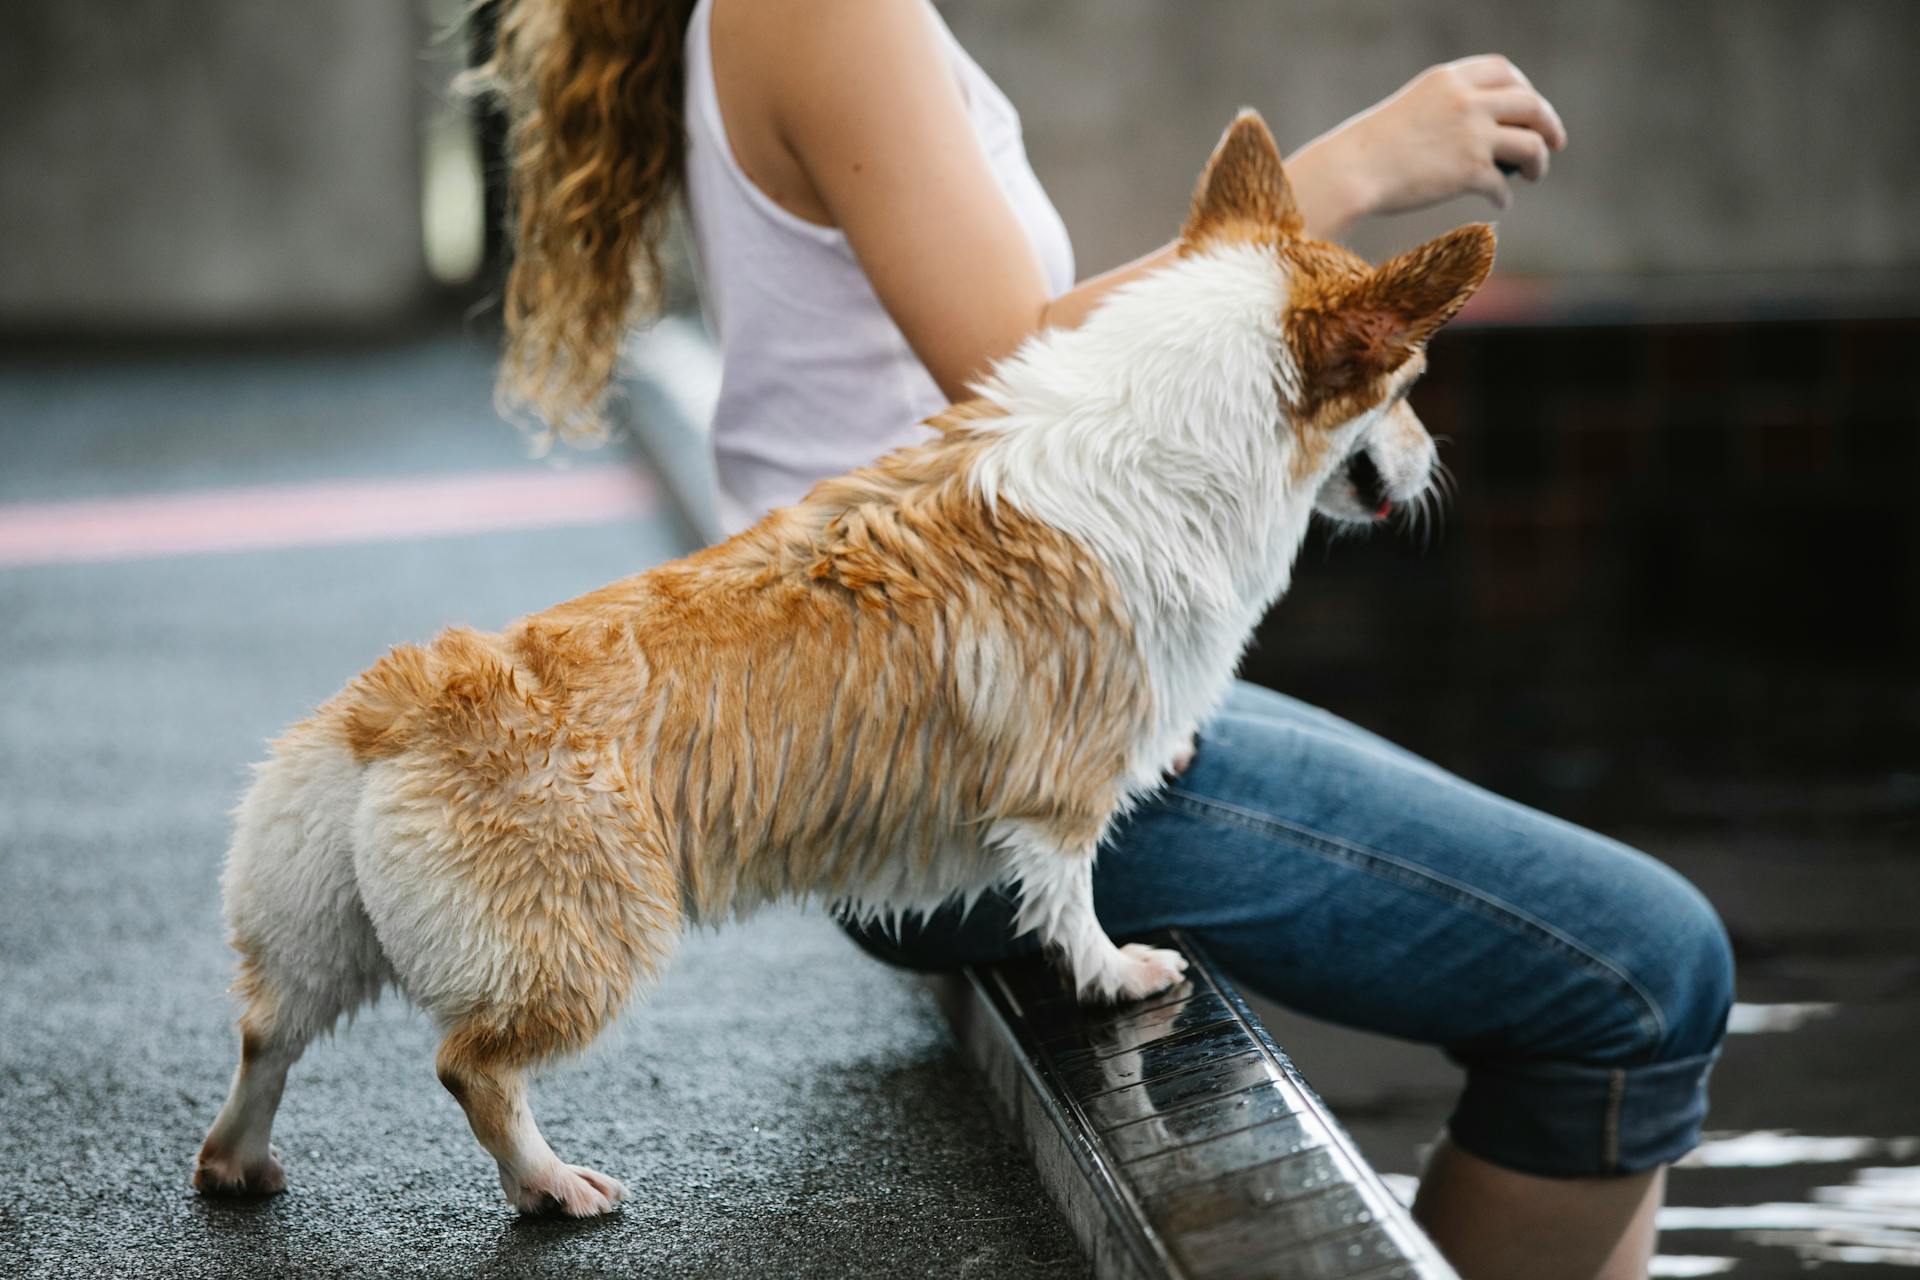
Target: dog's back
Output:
[(840, 703), (513, 828)]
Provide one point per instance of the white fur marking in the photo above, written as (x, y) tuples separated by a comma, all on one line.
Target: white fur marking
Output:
[(1168, 401)]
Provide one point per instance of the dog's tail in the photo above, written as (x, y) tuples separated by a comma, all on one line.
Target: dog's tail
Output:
[(463, 678)]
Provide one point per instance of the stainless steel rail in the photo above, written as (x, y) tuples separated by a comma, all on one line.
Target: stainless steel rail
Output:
[(1176, 1137)]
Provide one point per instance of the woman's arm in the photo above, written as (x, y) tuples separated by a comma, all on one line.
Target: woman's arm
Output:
[(849, 114)]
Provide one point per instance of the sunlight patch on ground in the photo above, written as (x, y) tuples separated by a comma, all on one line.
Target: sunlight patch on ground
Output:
[(1874, 1219), (1688, 1264), (1770, 1148), (1754, 1019)]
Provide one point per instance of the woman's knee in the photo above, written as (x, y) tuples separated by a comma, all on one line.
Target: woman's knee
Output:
[(1691, 973), (1613, 1080), (1667, 981)]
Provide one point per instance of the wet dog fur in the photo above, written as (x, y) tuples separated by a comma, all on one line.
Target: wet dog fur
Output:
[(948, 670)]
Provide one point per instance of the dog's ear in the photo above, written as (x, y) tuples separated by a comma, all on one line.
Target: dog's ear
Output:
[(1379, 324), (1244, 193)]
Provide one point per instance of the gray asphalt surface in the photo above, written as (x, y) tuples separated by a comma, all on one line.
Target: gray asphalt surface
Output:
[(783, 1106)]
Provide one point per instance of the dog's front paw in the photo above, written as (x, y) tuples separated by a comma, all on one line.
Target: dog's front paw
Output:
[(218, 1172), (1135, 972), (569, 1190)]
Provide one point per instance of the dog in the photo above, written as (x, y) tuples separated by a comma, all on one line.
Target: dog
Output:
[(948, 670)]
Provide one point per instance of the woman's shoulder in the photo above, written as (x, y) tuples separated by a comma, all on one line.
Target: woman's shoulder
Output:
[(798, 50), (800, 81)]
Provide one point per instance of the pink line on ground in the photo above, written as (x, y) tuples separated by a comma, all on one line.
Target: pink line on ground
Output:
[(318, 515)]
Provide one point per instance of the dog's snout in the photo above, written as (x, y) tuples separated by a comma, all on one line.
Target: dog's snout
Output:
[(1403, 453), (1368, 483)]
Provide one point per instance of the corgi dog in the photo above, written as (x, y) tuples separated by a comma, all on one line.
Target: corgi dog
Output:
[(949, 670)]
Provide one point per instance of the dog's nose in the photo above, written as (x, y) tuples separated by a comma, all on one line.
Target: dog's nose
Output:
[(1369, 484)]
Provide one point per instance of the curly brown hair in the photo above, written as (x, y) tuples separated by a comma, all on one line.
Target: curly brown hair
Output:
[(596, 145)]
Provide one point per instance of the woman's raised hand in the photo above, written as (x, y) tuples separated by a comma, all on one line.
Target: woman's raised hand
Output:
[(1448, 132)]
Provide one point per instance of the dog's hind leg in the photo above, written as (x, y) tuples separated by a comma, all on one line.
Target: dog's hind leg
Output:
[(577, 954), (279, 1018), (522, 895), (308, 952), (486, 1070), (238, 1157)]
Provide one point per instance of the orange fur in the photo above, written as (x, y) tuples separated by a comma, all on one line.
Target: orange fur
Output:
[(1354, 328), (1243, 194), (788, 712)]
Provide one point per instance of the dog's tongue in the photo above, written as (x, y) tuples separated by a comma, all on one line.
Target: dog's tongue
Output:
[(1380, 512)]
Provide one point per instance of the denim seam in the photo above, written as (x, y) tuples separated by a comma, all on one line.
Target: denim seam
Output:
[(1616, 1098), (1653, 1018)]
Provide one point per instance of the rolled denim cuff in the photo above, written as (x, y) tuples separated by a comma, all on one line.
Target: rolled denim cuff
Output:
[(1568, 1120)]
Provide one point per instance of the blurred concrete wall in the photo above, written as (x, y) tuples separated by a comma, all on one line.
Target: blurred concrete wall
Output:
[(206, 163), (218, 164), (1708, 136)]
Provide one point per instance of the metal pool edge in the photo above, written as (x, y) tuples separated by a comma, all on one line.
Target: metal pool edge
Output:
[(1175, 1135)]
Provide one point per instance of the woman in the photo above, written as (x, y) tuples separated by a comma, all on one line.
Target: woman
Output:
[(870, 237)]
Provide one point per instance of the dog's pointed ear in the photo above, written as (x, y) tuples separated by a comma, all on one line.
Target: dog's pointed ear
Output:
[(1379, 324), (1244, 192)]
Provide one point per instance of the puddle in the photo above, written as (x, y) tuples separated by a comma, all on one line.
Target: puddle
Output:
[(1873, 1219), (1688, 1264), (1890, 1249), (1785, 1216), (1876, 1189), (1774, 1148)]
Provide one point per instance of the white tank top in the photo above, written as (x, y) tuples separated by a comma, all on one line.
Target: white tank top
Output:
[(816, 378)]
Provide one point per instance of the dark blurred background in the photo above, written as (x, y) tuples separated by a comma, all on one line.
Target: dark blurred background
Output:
[(1680, 576), (1676, 595)]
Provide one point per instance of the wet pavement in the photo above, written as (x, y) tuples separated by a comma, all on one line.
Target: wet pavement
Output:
[(784, 1105)]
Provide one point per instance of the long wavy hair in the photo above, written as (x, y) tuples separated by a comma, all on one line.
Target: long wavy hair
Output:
[(596, 148)]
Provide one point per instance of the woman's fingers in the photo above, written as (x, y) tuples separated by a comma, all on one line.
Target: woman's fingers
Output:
[(1460, 127), (1490, 71), (1510, 97), (1522, 150), (1490, 182), (1528, 110)]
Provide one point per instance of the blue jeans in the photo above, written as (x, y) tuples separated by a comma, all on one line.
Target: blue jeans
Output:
[(1583, 985)]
